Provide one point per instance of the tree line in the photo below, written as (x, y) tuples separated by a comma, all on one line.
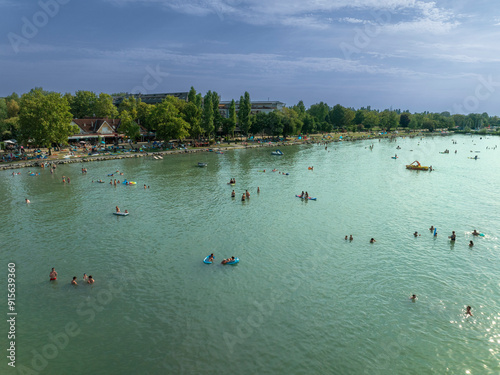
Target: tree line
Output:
[(44, 118)]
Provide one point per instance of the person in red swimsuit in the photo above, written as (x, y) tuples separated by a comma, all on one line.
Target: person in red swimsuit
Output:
[(53, 275)]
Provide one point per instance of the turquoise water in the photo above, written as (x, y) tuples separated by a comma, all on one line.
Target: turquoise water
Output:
[(302, 300)]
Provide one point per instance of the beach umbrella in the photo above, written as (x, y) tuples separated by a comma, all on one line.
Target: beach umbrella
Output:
[(10, 142), (82, 141)]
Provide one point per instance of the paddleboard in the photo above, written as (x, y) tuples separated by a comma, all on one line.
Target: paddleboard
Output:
[(120, 213)]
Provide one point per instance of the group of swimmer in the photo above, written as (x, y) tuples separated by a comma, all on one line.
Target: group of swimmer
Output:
[(304, 195), (118, 210), (245, 195), (468, 309), (88, 279), (372, 240), (224, 261), (453, 236)]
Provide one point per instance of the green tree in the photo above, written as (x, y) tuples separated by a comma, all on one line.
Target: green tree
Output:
[(129, 104), (319, 111), (3, 109), (336, 116), (371, 119), (259, 123), (230, 124), (45, 119), (245, 107), (217, 115), (349, 115), (12, 108), (404, 120), (128, 126), (274, 123), (143, 110), (359, 117), (199, 100), (104, 106), (291, 122), (84, 104), (208, 114), (167, 121), (309, 124), (192, 95), (300, 108), (192, 115)]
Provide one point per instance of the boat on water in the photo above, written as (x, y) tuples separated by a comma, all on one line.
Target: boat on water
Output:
[(200, 164), (417, 166), (277, 152)]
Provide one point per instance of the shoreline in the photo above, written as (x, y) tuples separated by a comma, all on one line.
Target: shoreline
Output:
[(37, 163)]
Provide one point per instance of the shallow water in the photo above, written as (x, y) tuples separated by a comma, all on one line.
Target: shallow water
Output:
[(302, 300)]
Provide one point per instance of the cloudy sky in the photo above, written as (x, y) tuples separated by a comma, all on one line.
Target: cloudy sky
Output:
[(410, 54)]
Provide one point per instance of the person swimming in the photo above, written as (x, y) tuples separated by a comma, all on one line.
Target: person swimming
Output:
[(211, 257), (475, 233), (350, 238), (90, 280), (243, 197), (431, 228), (372, 240), (74, 281), (27, 200), (471, 244), (413, 297), (85, 277), (468, 311), (416, 234)]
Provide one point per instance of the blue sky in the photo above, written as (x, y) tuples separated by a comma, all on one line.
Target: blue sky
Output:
[(408, 54)]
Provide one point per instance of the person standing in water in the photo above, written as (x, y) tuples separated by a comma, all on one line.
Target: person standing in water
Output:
[(468, 311), (53, 275), (74, 281), (453, 236)]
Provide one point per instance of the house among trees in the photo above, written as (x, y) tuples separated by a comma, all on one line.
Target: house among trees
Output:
[(91, 128)]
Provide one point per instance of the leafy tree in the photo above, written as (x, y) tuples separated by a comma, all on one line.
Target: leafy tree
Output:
[(128, 126), (404, 120), (143, 110), (167, 121), (12, 96), (199, 100), (230, 124), (259, 123), (371, 119), (192, 95), (208, 114), (319, 111), (217, 115), (192, 115), (129, 104), (309, 124), (359, 117), (12, 108), (245, 107), (274, 123), (291, 122), (300, 108), (336, 116), (45, 118), (349, 115), (104, 106), (3, 109), (9, 128), (84, 104)]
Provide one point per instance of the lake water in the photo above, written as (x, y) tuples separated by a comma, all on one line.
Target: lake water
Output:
[(302, 300)]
